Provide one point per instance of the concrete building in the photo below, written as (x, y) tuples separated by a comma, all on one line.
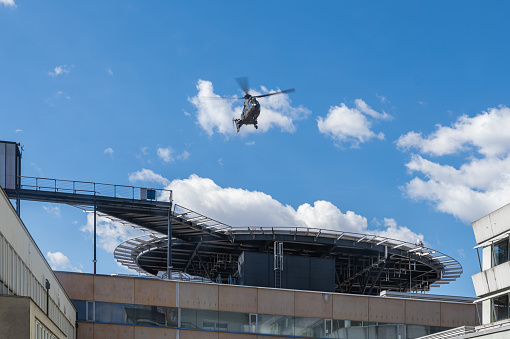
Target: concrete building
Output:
[(33, 304), (262, 282), (492, 284), (138, 307)]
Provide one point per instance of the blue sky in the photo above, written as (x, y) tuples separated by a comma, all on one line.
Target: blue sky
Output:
[(398, 126)]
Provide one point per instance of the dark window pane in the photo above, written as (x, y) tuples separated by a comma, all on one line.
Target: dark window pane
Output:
[(500, 252), (500, 307), (111, 313), (80, 306)]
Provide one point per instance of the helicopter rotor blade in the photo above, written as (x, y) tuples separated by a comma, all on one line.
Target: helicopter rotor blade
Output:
[(279, 92), (243, 83), (224, 98)]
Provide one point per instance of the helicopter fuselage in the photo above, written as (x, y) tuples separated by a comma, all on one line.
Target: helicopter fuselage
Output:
[(251, 112)]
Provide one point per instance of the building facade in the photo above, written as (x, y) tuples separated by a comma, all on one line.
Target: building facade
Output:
[(33, 304), (140, 307)]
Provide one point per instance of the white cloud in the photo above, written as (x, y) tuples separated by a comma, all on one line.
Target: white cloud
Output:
[(18, 131), (109, 233), (382, 98), (239, 207), (52, 210), (250, 143), (184, 155), (60, 262), (351, 125), (487, 133), (215, 114), (166, 154), (481, 183), (8, 3), (59, 70), (109, 151), (147, 175), (109, 71)]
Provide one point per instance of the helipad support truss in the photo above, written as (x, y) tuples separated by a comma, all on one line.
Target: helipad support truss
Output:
[(364, 263)]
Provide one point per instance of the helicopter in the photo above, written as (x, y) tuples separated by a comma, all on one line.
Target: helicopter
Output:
[(251, 108)]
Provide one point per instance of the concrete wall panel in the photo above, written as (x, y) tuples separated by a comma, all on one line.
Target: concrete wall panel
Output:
[(350, 307), (455, 315), (237, 299), (198, 295), (154, 332), (278, 302), (14, 317), (238, 336), (313, 304), (426, 313), (155, 292), (480, 284), (85, 331), (500, 220), (482, 229), (77, 287), (386, 310), (185, 334), (114, 289), (111, 331)]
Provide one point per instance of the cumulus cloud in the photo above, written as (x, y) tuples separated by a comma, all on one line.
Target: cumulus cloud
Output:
[(481, 183), (52, 210), (109, 233), (239, 207), (60, 262), (486, 133), (59, 70), (8, 3), (166, 154), (109, 151), (146, 175), (214, 115), (351, 125)]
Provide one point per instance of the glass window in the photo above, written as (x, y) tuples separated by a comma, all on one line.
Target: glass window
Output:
[(172, 317), (275, 324), (236, 322), (145, 315), (208, 320), (90, 311), (80, 306), (500, 252), (189, 318), (500, 308), (111, 313), (309, 327)]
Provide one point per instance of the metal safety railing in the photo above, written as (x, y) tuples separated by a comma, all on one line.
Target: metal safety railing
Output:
[(94, 188)]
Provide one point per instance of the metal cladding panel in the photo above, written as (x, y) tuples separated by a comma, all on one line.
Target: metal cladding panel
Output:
[(322, 274), (8, 152), (2, 164), (255, 269), (296, 270), (299, 273)]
